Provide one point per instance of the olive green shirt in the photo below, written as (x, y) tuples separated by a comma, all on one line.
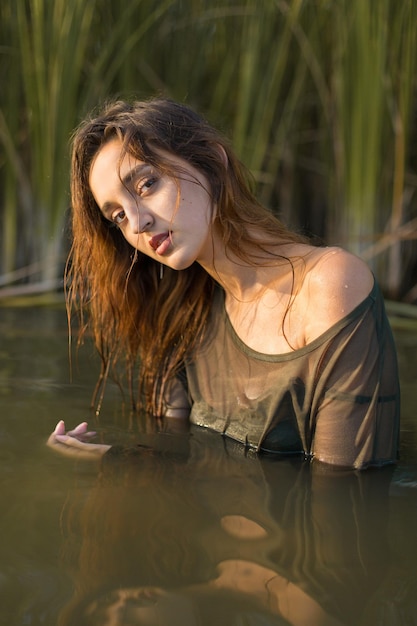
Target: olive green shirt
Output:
[(336, 399)]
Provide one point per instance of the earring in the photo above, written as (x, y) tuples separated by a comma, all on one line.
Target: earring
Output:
[(161, 271)]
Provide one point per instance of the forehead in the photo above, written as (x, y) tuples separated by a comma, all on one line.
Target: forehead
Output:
[(113, 165), (112, 158), (108, 161), (112, 170)]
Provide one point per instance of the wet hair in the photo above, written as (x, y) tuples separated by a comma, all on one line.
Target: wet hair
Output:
[(134, 315)]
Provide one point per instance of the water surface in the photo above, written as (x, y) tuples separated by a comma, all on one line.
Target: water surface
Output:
[(190, 530)]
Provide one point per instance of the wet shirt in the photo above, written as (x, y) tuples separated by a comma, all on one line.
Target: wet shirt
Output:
[(335, 399)]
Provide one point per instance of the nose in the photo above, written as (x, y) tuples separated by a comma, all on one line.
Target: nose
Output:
[(139, 221)]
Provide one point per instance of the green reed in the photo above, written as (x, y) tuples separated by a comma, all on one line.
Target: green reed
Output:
[(373, 88), (60, 68), (47, 42), (317, 96)]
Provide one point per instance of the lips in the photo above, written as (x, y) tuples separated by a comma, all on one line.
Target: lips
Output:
[(160, 243)]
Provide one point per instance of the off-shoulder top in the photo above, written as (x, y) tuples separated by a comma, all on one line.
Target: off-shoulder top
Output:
[(336, 399)]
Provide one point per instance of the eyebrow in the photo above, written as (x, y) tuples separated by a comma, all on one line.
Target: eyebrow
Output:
[(134, 172), (107, 207)]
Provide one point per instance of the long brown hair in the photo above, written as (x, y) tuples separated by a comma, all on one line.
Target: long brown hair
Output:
[(135, 315)]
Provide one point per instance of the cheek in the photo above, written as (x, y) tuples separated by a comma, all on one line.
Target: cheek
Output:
[(198, 209), (125, 234), (136, 242)]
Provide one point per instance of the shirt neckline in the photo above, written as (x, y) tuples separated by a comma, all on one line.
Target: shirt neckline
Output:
[(311, 346)]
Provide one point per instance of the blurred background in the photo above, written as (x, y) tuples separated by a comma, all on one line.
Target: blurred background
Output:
[(318, 97)]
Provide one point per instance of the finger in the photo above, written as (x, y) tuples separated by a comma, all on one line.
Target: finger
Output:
[(82, 436), (72, 447), (73, 442), (66, 441), (78, 430), (58, 432), (81, 432), (60, 428)]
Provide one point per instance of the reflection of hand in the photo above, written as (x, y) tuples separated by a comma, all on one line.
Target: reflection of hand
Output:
[(73, 443)]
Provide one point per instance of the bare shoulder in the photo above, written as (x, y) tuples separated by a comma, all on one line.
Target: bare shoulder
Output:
[(337, 272), (335, 283)]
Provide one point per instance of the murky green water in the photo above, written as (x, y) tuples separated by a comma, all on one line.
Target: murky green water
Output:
[(229, 539)]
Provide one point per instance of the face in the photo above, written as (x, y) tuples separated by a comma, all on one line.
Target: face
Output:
[(146, 606), (169, 222)]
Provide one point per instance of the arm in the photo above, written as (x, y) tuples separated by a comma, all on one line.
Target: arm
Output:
[(76, 443), (177, 407), (355, 412)]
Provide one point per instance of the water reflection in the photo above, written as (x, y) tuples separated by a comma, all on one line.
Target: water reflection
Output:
[(197, 533), (277, 534)]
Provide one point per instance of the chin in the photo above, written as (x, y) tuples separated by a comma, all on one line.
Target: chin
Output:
[(179, 264)]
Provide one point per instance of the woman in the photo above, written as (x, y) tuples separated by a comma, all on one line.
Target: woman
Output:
[(237, 324)]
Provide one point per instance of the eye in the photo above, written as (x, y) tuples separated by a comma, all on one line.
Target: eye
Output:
[(117, 217), (145, 185)]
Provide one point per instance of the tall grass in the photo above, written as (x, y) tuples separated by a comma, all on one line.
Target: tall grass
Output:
[(53, 39), (358, 90), (14, 180), (403, 65), (59, 68), (373, 92), (317, 96)]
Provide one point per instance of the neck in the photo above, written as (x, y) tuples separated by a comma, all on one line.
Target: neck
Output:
[(242, 280)]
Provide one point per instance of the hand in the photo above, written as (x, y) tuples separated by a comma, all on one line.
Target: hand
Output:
[(74, 444)]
